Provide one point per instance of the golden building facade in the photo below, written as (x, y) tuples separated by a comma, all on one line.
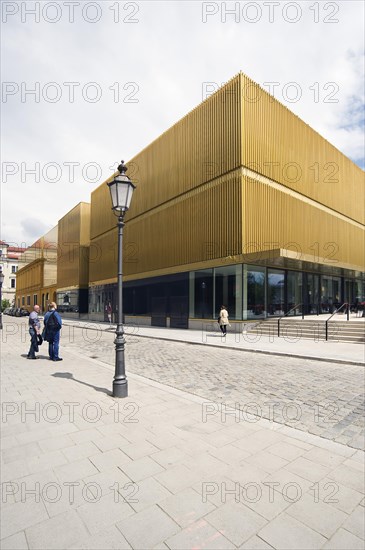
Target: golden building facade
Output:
[(73, 260), (240, 203)]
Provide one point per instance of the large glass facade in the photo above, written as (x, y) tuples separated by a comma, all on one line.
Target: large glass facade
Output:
[(336, 291), (248, 292), (99, 298), (209, 289), (330, 293), (228, 290), (72, 301), (354, 291), (311, 293), (294, 296), (254, 292), (275, 292), (201, 294)]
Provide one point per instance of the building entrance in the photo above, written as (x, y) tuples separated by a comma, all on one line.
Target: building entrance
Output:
[(311, 294)]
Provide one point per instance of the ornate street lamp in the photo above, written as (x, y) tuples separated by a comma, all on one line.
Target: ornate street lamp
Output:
[(1, 298), (121, 191)]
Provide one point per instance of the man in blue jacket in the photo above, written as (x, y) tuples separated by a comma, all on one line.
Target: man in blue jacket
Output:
[(52, 329)]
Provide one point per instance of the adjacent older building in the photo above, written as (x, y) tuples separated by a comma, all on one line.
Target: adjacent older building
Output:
[(9, 260), (37, 273), (240, 203)]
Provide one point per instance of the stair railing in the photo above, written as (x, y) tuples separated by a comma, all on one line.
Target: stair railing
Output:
[(334, 313), (287, 313)]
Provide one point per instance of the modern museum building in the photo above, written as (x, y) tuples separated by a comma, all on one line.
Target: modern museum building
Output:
[(239, 203)]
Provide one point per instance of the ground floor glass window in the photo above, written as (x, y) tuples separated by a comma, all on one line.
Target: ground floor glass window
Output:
[(275, 292), (201, 294), (294, 292), (228, 290), (254, 292), (330, 293)]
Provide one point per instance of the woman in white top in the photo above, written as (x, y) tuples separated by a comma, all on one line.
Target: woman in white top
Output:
[(223, 320)]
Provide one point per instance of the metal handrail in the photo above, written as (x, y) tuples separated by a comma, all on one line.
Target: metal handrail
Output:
[(287, 313), (336, 311)]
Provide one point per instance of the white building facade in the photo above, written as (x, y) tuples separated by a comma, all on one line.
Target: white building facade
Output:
[(9, 261)]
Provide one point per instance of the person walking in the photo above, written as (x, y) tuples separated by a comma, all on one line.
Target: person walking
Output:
[(109, 312), (52, 329), (34, 331), (223, 320)]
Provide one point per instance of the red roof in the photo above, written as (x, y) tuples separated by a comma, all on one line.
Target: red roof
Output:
[(16, 249)]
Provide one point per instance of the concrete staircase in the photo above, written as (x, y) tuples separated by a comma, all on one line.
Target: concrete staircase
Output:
[(313, 329)]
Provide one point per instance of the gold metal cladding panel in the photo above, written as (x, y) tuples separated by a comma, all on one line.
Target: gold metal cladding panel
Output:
[(104, 255), (85, 223), (201, 225), (83, 281), (202, 146), (73, 259), (279, 145), (275, 219), (102, 218), (69, 246)]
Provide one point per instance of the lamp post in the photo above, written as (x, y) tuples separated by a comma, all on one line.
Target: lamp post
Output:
[(121, 191), (1, 298)]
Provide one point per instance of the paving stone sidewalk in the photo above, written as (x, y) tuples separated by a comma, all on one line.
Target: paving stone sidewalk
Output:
[(161, 469)]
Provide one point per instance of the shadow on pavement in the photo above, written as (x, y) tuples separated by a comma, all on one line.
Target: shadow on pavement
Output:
[(70, 376), (25, 355)]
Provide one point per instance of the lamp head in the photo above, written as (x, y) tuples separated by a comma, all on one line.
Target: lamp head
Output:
[(121, 190)]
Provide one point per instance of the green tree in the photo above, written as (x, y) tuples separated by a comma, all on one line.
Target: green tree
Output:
[(4, 304)]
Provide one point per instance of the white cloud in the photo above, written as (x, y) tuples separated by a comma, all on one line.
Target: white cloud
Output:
[(168, 54)]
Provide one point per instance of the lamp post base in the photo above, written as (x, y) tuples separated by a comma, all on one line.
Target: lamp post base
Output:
[(120, 389)]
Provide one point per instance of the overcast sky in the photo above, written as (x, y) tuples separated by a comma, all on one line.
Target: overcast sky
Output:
[(109, 77)]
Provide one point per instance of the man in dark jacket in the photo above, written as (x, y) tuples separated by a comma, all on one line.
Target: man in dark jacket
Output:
[(52, 329)]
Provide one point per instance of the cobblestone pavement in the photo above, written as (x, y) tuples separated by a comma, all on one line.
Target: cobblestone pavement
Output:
[(321, 398)]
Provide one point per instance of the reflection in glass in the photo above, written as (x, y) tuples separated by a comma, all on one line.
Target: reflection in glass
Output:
[(354, 290), (294, 292), (330, 293), (201, 294), (254, 292), (312, 294), (275, 286), (67, 301), (228, 290), (336, 291)]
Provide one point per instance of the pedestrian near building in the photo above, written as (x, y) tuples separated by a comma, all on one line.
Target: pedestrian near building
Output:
[(109, 311), (52, 330), (34, 331), (223, 320)]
